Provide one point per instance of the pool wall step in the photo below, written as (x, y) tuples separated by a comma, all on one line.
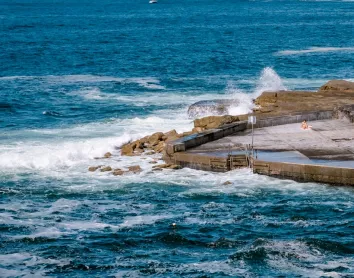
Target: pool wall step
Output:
[(305, 172)]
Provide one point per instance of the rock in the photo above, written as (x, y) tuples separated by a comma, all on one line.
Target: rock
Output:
[(167, 166), (157, 169), (211, 107), (153, 162), (155, 138), (338, 85), (187, 133), (150, 153), (159, 147), (93, 168), (172, 135), (106, 169), (138, 150), (175, 167), (118, 172), (328, 97), (135, 169), (198, 129), (227, 183), (107, 155), (266, 98), (161, 166), (128, 149), (144, 140), (214, 121)]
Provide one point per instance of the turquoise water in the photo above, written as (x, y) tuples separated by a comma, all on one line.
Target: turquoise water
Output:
[(80, 78)]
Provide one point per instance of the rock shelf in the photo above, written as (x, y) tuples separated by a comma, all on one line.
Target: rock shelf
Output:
[(324, 153)]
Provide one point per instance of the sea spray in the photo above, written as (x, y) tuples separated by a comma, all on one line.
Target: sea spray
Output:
[(269, 80)]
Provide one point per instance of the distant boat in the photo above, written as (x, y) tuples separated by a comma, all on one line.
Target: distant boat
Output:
[(153, 1)]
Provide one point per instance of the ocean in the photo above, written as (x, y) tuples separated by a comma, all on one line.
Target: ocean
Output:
[(81, 78)]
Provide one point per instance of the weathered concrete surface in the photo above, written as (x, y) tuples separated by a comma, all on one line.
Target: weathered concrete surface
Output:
[(327, 140)]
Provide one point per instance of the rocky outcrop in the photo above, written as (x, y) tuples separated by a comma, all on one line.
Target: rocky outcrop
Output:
[(106, 169), (94, 168), (213, 122), (149, 145), (333, 94), (211, 107), (118, 172), (135, 169), (338, 85)]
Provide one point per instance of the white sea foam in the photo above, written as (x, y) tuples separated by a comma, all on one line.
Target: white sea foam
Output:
[(313, 50), (24, 263), (146, 82), (52, 155), (144, 220), (60, 149)]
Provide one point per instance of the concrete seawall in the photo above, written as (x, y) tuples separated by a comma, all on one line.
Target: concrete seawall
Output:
[(195, 140), (265, 121), (330, 139), (303, 172)]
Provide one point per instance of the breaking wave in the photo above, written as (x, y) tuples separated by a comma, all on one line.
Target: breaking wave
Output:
[(314, 50)]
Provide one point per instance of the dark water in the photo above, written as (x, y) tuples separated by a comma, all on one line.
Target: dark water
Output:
[(80, 78)]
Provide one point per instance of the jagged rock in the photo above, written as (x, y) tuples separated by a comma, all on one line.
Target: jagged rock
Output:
[(107, 155), (175, 167), (135, 169), (155, 138), (144, 140), (159, 147), (128, 149), (171, 136), (197, 129), (93, 168), (106, 169), (211, 107), (214, 121), (167, 166), (118, 172), (161, 166), (138, 150), (338, 85), (227, 183)]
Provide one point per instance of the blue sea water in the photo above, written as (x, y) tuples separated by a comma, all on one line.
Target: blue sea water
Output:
[(80, 78)]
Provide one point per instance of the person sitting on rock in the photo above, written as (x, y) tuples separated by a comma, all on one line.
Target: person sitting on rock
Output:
[(304, 125)]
